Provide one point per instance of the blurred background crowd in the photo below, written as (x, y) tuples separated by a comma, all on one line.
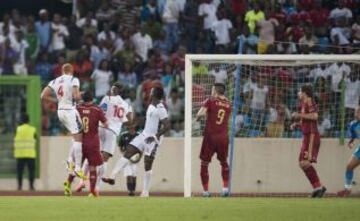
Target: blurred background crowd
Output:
[(143, 43)]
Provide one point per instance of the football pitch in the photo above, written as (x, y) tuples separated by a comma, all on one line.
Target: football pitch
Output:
[(172, 209)]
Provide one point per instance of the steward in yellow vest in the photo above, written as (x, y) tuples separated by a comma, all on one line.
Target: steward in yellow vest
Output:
[(25, 151)]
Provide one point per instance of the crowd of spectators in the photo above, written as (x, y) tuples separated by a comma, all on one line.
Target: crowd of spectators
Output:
[(142, 43)]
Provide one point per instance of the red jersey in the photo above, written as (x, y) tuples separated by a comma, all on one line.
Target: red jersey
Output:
[(319, 17), (91, 115), (309, 126), (218, 113)]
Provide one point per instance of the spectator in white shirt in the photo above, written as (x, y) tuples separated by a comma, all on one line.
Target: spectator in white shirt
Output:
[(127, 76), (258, 104), (175, 105), (19, 44), (59, 34), (352, 96), (355, 28), (219, 74), (142, 43), (318, 72), (222, 29), (207, 11), (324, 125), (88, 19), (102, 78), (107, 35), (341, 12), (340, 35), (170, 18)]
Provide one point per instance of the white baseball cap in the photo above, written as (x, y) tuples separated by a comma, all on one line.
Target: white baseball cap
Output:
[(42, 11)]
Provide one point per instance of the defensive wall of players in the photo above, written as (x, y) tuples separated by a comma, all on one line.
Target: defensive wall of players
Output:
[(259, 166)]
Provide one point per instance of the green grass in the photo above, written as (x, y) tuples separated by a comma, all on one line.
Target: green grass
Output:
[(172, 209)]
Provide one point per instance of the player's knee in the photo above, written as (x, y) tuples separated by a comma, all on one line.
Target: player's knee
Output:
[(304, 165), (204, 163), (92, 168)]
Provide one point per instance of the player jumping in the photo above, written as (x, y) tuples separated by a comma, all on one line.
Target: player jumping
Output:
[(308, 117), (117, 111), (91, 116), (66, 88), (217, 110), (147, 141), (355, 158)]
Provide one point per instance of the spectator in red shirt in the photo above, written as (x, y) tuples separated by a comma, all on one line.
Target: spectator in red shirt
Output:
[(238, 7), (319, 15), (57, 68), (83, 67), (278, 14), (306, 5), (178, 58)]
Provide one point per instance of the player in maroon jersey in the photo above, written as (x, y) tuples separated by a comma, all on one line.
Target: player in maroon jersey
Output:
[(217, 110), (90, 115), (307, 120)]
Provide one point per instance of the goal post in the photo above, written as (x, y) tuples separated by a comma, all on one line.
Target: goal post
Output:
[(240, 68)]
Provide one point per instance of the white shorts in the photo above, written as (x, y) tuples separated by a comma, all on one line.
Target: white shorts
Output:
[(71, 119), (130, 170), (147, 149), (107, 140)]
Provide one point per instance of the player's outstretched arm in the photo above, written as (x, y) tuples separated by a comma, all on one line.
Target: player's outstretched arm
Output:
[(201, 113), (46, 94)]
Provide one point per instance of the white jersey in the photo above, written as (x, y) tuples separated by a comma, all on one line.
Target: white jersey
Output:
[(63, 87), (154, 115), (115, 109)]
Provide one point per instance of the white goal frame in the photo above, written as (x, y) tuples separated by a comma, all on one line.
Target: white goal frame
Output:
[(232, 58)]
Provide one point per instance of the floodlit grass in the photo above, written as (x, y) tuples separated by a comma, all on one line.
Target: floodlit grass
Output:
[(172, 209)]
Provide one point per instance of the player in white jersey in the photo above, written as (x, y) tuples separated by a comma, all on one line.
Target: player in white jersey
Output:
[(67, 90), (146, 142), (117, 112)]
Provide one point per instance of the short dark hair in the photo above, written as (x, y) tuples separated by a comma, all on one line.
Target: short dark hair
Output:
[(158, 92), (307, 89), (25, 119), (88, 96), (220, 88), (118, 86)]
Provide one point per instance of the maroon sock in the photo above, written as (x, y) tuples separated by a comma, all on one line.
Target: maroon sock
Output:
[(225, 174), (204, 174), (70, 178), (93, 177), (312, 176)]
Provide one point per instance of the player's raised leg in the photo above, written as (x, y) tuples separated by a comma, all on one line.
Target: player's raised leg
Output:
[(132, 154)]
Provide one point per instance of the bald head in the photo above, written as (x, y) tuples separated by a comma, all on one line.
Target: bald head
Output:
[(67, 69)]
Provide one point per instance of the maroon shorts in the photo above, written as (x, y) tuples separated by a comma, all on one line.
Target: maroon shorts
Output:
[(304, 152), (212, 145), (93, 156)]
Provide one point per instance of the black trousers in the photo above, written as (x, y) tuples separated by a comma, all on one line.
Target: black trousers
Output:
[(21, 163)]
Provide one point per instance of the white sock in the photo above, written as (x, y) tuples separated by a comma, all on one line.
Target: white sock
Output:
[(85, 168), (71, 153), (77, 146), (120, 165), (147, 180), (103, 169), (100, 172), (348, 187)]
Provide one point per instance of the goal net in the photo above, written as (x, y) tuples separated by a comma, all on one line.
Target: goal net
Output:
[(263, 91)]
